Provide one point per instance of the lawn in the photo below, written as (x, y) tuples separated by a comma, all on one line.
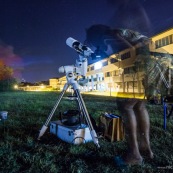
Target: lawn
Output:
[(21, 152)]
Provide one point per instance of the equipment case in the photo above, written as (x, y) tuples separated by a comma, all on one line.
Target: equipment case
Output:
[(72, 134)]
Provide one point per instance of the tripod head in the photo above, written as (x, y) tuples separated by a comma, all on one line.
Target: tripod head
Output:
[(73, 72)]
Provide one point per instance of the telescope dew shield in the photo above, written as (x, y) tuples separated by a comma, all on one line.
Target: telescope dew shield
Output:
[(79, 47), (61, 69), (75, 45)]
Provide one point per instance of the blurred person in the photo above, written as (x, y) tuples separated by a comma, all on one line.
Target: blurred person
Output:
[(134, 113)]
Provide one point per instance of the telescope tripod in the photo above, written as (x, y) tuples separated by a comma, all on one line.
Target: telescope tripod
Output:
[(82, 106)]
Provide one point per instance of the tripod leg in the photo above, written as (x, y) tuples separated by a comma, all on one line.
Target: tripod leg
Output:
[(92, 131), (81, 112), (45, 126)]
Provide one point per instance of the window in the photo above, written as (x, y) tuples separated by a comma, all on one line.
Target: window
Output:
[(157, 44), (167, 40), (160, 43), (88, 69), (170, 38), (129, 70), (107, 74), (105, 63), (92, 68), (164, 41), (113, 60), (125, 55)]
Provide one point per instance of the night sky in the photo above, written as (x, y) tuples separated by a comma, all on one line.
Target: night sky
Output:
[(33, 33)]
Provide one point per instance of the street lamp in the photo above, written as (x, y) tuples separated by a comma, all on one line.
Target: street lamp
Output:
[(16, 87)]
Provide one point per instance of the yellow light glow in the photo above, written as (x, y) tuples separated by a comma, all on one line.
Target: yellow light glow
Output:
[(42, 86), (16, 87)]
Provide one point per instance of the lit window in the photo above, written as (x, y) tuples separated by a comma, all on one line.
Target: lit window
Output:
[(98, 65), (105, 63), (92, 68)]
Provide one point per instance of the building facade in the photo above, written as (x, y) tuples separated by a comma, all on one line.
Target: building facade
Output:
[(116, 72)]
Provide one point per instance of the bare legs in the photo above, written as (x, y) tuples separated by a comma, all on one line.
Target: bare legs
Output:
[(136, 121), (143, 121)]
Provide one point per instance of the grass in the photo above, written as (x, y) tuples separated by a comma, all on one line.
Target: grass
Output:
[(21, 152)]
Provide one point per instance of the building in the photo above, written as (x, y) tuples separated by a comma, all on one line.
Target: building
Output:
[(53, 82), (116, 72), (164, 40), (40, 87), (57, 83), (62, 82)]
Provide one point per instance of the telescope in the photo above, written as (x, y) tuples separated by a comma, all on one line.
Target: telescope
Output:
[(72, 73), (80, 68)]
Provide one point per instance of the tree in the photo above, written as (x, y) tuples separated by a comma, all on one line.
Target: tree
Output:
[(7, 80)]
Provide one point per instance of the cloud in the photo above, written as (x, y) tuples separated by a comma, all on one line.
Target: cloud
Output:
[(32, 60), (9, 58)]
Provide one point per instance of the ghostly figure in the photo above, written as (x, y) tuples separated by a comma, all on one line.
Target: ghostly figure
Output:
[(133, 111)]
